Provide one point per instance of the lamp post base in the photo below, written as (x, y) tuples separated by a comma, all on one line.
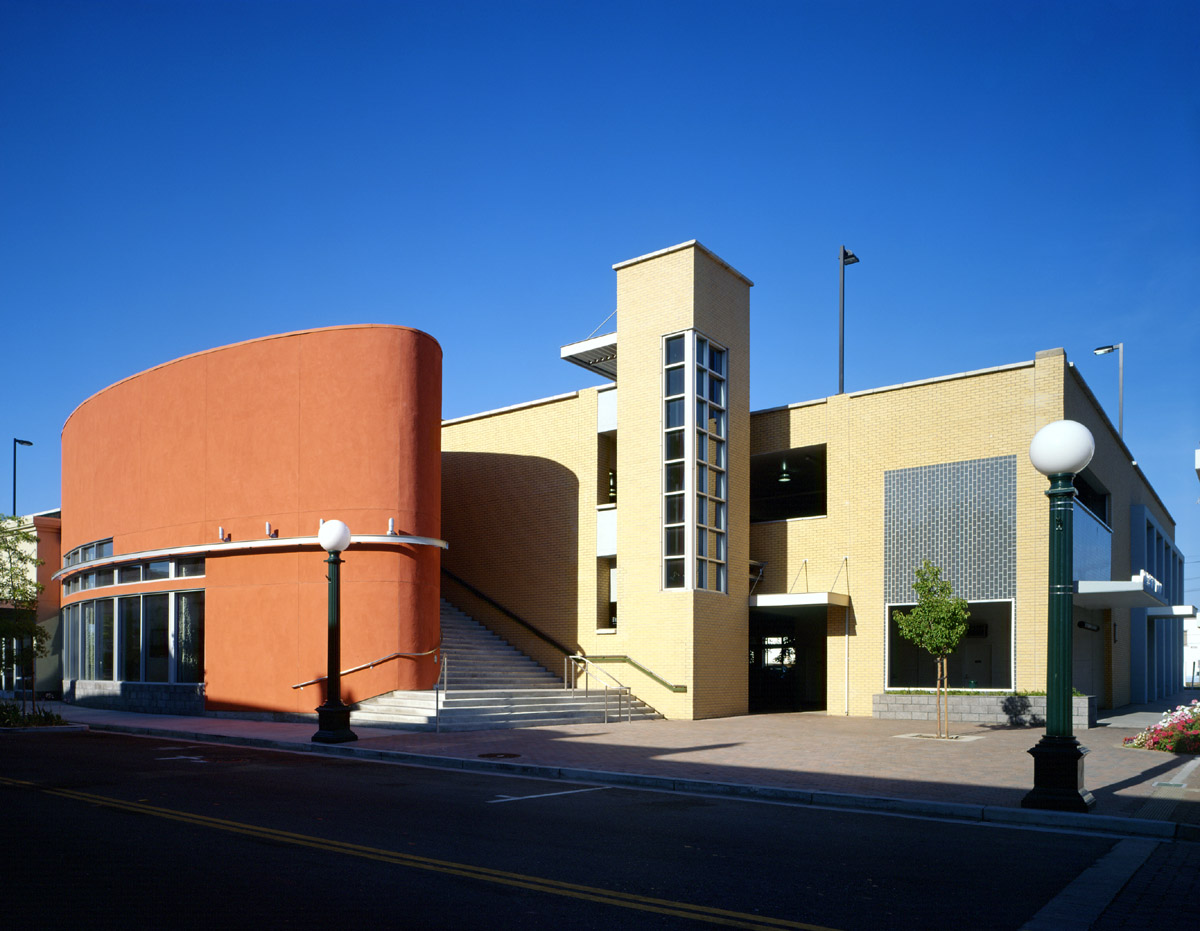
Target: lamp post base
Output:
[(333, 725), (1058, 776)]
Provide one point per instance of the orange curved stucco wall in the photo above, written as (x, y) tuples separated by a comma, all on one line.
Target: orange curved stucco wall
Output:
[(332, 423)]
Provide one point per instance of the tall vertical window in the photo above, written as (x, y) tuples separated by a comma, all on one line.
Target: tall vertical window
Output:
[(695, 486), (129, 611), (189, 637), (712, 426), (156, 624), (675, 462)]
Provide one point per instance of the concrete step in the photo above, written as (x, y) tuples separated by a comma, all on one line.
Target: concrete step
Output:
[(491, 685), (486, 710)]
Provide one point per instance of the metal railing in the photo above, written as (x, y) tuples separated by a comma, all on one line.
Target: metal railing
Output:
[(571, 666), (630, 661), (372, 665), (439, 694)]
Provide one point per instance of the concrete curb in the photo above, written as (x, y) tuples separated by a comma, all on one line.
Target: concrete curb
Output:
[(50, 729), (956, 811)]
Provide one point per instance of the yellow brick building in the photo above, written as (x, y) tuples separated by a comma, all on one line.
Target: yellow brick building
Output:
[(719, 561)]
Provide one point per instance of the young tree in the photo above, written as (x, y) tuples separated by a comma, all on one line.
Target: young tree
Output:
[(936, 625), (19, 590)]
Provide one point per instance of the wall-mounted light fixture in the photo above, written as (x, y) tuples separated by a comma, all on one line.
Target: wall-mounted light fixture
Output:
[(1087, 625), (784, 475), (391, 526)]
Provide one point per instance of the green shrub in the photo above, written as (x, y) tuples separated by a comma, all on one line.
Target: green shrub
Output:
[(12, 716)]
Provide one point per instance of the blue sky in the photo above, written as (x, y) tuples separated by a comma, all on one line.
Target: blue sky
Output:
[(1015, 176)]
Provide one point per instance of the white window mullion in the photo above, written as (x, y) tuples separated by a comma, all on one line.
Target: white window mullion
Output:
[(689, 458)]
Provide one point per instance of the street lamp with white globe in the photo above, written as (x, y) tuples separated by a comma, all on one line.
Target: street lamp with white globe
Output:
[(1059, 451), (333, 717)]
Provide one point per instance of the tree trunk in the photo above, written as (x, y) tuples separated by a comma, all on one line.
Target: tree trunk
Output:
[(937, 694), (946, 691)]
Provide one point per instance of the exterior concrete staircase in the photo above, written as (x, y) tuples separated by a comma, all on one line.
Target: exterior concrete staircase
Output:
[(490, 685)]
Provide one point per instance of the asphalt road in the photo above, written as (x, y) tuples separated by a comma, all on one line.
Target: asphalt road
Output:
[(111, 831)]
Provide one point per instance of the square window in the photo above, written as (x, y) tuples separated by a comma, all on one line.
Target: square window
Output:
[(674, 477), (674, 381), (187, 568), (673, 541), (127, 574), (673, 575), (674, 509), (675, 413), (716, 391), (674, 350), (716, 360), (158, 569), (674, 445)]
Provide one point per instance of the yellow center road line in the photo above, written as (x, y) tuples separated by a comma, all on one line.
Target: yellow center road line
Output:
[(707, 914)]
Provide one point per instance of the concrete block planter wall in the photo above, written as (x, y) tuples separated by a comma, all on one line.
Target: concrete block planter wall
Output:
[(144, 697), (1009, 710)]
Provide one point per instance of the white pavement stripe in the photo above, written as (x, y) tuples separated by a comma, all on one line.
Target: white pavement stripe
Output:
[(523, 798), (1078, 905)]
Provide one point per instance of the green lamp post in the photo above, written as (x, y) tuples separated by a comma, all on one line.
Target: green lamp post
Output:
[(1059, 451), (333, 717)]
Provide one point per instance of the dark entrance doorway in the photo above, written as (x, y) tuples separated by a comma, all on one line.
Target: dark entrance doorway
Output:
[(787, 660)]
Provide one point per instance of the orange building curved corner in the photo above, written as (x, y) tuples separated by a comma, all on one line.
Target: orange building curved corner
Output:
[(192, 494)]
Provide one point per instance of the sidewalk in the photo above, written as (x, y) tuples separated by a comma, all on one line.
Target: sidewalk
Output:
[(813, 758)]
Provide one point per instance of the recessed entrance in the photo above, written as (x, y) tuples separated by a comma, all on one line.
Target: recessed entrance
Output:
[(787, 660)]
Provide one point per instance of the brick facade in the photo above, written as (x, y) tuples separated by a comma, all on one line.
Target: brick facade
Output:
[(934, 469)]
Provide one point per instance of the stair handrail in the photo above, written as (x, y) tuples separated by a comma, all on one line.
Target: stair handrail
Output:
[(372, 665), (511, 615), (439, 695), (629, 660), (624, 694)]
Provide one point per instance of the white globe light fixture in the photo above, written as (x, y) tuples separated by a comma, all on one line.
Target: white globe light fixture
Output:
[(334, 536), (1059, 451), (1062, 447)]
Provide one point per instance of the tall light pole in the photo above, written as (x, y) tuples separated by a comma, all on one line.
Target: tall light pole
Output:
[(845, 258), (17, 443), (333, 717), (1060, 450), (1120, 348)]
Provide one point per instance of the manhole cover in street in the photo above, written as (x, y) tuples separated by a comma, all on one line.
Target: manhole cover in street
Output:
[(498, 756)]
